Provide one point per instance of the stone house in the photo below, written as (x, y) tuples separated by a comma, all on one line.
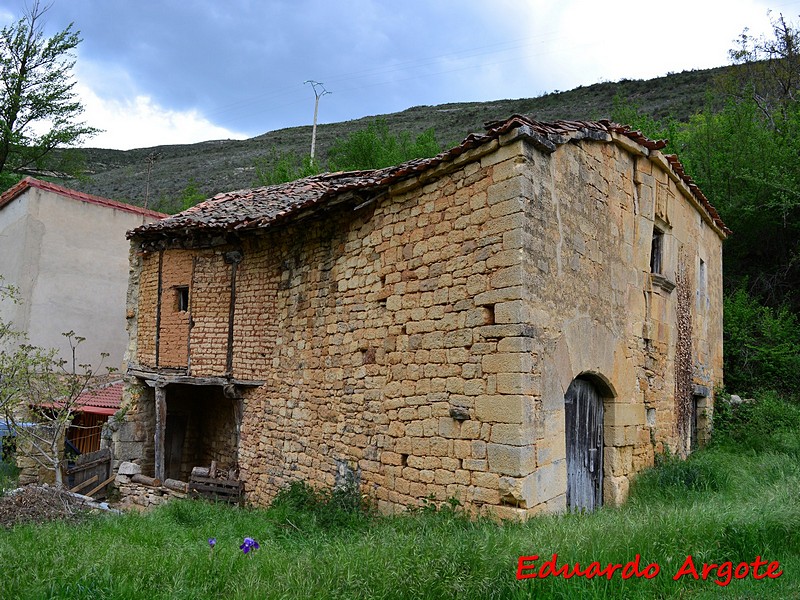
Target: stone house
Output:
[(521, 322), (66, 253)]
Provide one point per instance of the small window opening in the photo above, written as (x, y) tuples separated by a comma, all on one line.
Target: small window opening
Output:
[(702, 275), (656, 251), (182, 298)]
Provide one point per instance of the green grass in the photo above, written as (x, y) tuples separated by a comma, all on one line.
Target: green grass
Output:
[(723, 504)]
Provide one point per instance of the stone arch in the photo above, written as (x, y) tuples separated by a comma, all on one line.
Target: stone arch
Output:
[(590, 350)]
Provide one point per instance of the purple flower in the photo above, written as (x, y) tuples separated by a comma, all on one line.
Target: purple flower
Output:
[(248, 545), (212, 542)]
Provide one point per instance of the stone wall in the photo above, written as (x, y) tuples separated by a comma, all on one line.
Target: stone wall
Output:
[(427, 338), (139, 495), (34, 464)]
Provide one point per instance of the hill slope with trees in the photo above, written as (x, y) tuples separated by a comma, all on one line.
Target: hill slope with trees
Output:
[(223, 165)]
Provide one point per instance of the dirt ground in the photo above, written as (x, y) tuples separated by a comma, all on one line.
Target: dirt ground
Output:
[(38, 504)]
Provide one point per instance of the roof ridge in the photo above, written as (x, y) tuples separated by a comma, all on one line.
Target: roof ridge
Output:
[(31, 182), (258, 207)]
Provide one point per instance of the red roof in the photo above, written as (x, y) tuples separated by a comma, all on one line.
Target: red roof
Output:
[(101, 401), (30, 182)]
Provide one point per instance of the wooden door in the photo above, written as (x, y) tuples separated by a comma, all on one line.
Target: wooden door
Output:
[(583, 408)]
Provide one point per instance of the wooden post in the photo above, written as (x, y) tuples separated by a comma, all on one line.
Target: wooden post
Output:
[(161, 426)]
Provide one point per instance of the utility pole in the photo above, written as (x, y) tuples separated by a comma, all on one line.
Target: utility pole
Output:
[(151, 158), (317, 96)]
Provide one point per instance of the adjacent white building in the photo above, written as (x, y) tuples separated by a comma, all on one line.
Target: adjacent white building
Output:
[(67, 254)]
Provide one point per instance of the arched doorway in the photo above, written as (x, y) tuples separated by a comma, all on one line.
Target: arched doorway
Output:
[(583, 412)]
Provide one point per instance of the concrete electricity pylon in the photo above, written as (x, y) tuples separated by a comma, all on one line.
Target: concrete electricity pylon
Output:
[(317, 95)]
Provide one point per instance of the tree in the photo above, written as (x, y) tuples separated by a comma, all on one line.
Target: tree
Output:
[(282, 167), (37, 92), (768, 68), (39, 393), (742, 150), (376, 147)]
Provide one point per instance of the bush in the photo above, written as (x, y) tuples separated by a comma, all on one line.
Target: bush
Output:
[(762, 345), (282, 167), (376, 147), (768, 423), (340, 508)]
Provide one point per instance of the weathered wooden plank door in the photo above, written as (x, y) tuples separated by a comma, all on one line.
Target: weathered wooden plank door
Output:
[(583, 408)]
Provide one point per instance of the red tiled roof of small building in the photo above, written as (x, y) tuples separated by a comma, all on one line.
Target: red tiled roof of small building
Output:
[(103, 400), (30, 182), (260, 207)]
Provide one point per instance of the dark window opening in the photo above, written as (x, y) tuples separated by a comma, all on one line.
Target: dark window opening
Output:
[(656, 251), (182, 298)]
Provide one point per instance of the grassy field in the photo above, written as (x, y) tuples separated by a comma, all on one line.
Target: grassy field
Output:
[(735, 501)]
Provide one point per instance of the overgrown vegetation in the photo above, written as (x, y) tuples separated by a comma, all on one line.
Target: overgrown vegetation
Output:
[(734, 501), (372, 148), (276, 167), (767, 423), (305, 507), (376, 147), (762, 345)]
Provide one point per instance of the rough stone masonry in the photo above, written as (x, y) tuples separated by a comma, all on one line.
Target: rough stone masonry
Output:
[(423, 324)]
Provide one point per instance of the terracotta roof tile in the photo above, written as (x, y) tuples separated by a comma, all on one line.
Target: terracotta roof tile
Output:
[(104, 400), (262, 206)]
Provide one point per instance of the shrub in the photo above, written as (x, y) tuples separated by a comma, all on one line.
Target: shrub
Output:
[(768, 423), (304, 506), (762, 345), (282, 167), (376, 147)]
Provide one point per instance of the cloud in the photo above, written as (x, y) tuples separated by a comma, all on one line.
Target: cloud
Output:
[(139, 122), (581, 43)]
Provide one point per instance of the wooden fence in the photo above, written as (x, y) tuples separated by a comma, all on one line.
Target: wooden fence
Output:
[(90, 473)]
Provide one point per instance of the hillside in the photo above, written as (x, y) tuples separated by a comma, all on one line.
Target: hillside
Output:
[(223, 165)]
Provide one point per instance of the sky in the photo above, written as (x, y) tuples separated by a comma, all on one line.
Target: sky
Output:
[(154, 72)]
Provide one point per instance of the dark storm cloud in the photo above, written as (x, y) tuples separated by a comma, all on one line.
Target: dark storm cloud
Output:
[(242, 64), (193, 68), (236, 61)]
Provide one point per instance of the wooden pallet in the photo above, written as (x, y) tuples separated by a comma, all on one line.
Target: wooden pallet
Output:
[(227, 490), (205, 484)]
